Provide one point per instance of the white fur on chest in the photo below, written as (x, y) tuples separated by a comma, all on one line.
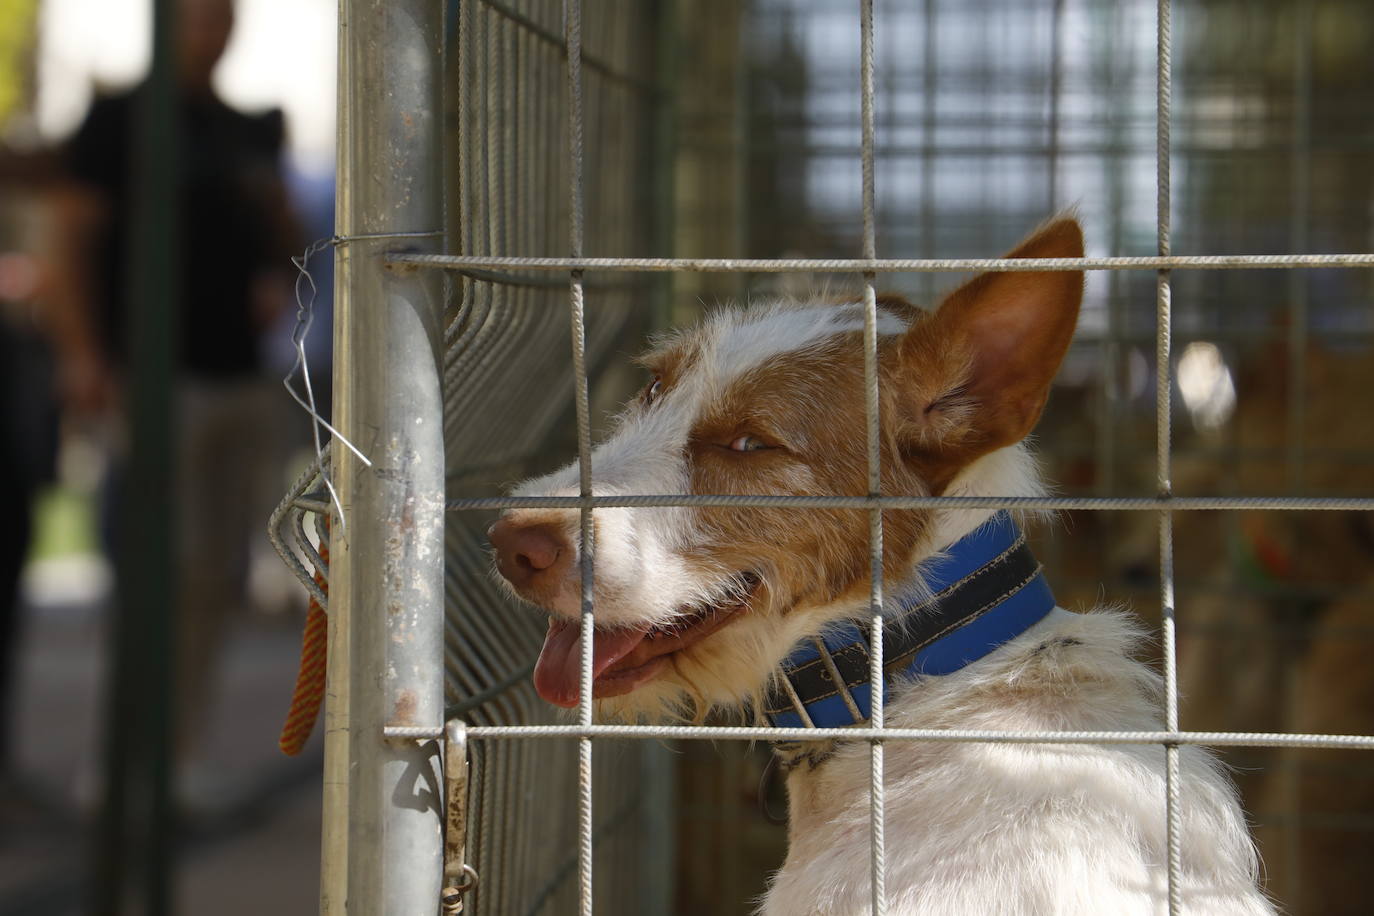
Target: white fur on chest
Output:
[(1021, 829)]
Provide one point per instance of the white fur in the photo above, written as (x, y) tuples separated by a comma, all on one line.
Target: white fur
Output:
[(1026, 829), (743, 341)]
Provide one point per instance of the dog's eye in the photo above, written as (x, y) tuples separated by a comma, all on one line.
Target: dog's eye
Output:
[(654, 390), (748, 444)]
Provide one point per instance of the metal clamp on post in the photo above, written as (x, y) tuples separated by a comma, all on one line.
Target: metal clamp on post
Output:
[(459, 877)]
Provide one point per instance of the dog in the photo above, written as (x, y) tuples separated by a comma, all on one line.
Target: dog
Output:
[(763, 610)]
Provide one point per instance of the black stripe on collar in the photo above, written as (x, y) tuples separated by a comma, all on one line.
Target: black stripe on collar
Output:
[(988, 589)]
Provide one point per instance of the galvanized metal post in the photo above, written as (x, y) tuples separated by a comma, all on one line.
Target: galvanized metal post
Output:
[(383, 850)]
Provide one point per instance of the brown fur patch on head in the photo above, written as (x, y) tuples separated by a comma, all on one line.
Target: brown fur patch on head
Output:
[(965, 380), (669, 358), (801, 406)]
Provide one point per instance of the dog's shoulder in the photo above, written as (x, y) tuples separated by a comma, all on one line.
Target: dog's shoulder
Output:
[(1067, 828), (1067, 672)]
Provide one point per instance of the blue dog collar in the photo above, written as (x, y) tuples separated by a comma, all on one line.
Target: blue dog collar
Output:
[(986, 590)]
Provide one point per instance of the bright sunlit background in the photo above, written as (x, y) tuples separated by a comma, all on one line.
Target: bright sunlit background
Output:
[(281, 56)]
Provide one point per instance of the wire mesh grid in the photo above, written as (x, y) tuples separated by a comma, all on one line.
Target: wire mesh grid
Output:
[(512, 61), (507, 106)]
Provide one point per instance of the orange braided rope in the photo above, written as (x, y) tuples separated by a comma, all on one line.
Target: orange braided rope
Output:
[(309, 692)]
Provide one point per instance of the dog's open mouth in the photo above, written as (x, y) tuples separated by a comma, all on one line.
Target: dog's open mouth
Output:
[(625, 657)]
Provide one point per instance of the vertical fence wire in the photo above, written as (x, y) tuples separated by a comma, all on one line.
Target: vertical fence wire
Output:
[(877, 782), (1295, 434), (572, 12), (929, 43), (1163, 392), (1056, 88), (1299, 232), (1108, 62)]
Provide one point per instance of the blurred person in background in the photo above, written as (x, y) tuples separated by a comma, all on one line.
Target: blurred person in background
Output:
[(237, 233), (28, 449), (49, 360), (50, 363)]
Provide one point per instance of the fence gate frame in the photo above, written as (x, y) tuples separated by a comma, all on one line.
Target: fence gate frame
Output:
[(382, 848)]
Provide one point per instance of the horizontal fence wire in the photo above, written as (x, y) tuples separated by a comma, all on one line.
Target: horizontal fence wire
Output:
[(975, 736), (1029, 503), (462, 263)]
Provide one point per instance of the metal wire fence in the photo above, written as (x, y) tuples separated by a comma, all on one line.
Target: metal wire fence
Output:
[(563, 118), (511, 119)]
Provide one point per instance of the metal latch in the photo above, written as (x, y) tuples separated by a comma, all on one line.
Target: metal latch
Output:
[(459, 877)]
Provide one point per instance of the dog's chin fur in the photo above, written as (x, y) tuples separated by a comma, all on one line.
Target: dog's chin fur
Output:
[(722, 675)]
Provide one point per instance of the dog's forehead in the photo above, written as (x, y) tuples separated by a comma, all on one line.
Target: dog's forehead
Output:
[(733, 342)]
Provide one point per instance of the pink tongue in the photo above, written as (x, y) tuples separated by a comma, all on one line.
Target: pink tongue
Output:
[(558, 671)]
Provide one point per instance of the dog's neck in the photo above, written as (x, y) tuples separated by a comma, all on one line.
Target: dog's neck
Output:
[(974, 587), (1010, 471)]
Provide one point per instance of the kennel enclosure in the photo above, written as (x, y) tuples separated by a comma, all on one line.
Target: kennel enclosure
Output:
[(528, 188)]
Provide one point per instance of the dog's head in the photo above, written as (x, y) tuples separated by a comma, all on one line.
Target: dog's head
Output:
[(695, 606)]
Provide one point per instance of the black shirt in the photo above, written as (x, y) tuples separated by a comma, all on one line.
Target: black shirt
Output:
[(229, 176)]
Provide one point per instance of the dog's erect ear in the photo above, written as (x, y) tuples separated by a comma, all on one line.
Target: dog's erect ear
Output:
[(978, 370)]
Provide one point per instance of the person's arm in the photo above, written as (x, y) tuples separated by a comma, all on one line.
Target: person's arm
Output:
[(69, 293), (79, 208)]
